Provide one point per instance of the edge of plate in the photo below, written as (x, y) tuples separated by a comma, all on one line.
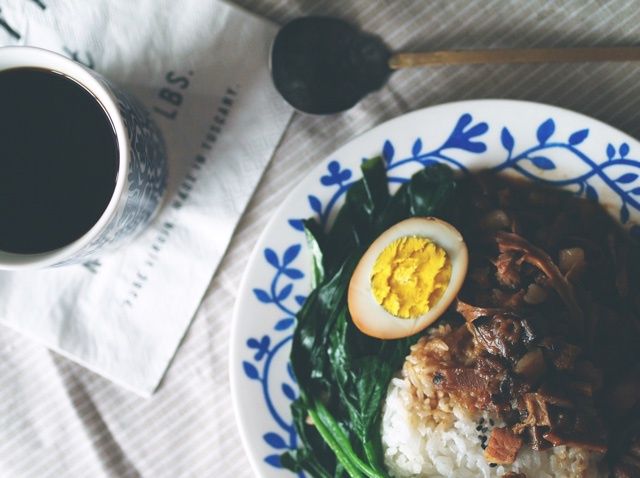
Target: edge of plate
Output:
[(235, 319)]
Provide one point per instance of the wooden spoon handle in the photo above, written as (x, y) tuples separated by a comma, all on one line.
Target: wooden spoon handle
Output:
[(539, 55)]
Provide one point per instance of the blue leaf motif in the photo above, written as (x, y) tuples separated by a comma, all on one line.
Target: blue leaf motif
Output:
[(275, 441), (463, 121), (591, 193), (624, 150), (315, 204), (636, 191), (507, 139), (545, 130), (250, 371), (290, 254), (543, 163), (271, 257), (274, 460), (335, 176), (327, 180), (300, 299), (284, 324), (624, 214), (344, 175), (477, 130), (611, 151), (578, 137), (293, 273), (627, 178), (476, 147), (417, 147), (429, 162), (461, 139), (288, 392), (635, 231), (388, 151), (262, 347), (263, 296), (297, 224), (285, 292)]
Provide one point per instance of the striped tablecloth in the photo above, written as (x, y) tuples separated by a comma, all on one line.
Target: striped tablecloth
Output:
[(59, 420)]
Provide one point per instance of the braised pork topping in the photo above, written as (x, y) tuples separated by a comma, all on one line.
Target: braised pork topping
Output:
[(552, 326)]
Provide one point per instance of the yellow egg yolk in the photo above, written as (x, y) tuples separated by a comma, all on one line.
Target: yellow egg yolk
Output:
[(410, 276)]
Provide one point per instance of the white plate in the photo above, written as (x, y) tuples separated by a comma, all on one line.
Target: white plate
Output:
[(540, 142)]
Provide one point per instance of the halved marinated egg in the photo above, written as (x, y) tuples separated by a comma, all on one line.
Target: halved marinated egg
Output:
[(407, 278)]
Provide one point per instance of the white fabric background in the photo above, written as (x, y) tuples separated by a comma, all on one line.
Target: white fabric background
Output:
[(59, 420)]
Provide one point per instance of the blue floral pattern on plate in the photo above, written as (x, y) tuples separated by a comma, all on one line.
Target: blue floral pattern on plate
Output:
[(615, 169)]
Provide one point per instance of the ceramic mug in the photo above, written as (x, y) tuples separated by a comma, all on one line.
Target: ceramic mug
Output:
[(141, 172)]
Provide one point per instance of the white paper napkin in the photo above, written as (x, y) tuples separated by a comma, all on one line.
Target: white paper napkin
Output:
[(201, 67)]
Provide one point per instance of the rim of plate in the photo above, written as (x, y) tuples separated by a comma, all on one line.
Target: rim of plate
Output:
[(234, 368)]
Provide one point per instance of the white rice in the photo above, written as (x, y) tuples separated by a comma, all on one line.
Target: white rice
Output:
[(435, 447)]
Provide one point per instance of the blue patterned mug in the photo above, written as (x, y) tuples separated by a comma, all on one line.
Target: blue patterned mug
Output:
[(140, 167)]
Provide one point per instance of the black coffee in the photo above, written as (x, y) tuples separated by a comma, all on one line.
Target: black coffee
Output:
[(58, 160)]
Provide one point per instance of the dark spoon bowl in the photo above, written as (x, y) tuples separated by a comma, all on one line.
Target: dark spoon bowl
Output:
[(323, 65)]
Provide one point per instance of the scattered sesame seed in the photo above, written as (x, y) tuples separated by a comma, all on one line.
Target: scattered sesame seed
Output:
[(491, 422), (493, 465), (479, 427)]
